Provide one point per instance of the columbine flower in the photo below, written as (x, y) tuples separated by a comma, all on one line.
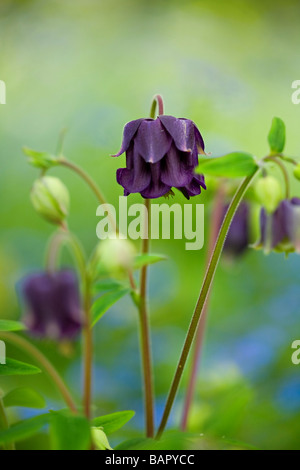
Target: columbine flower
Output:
[(280, 231), (160, 154), (52, 304), (237, 240)]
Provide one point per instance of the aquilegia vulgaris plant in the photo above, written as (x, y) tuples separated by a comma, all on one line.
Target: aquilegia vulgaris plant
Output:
[(163, 154)]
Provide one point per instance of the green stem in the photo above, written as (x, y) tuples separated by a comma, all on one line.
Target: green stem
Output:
[(157, 101), (88, 350), (91, 183), (145, 335), (4, 425), (55, 246), (215, 223), (284, 173), (94, 187), (77, 251), (23, 344), (143, 310), (202, 298)]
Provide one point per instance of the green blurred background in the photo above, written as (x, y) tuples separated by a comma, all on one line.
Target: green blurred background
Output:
[(91, 66)]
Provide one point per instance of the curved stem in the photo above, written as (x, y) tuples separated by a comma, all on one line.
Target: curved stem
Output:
[(88, 350), (284, 172), (94, 187), (91, 183), (157, 101), (53, 250), (145, 334), (4, 425), (202, 298), (216, 219), (53, 253), (55, 246), (23, 344)]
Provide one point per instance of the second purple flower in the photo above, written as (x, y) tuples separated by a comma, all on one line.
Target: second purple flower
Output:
[(160, 154)]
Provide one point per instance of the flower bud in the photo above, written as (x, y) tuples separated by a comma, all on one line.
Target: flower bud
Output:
[(297, 171), (50, 198), (116, 256), (100, 439), (269, 192), (280, 231), (53, 306), (238, 237)]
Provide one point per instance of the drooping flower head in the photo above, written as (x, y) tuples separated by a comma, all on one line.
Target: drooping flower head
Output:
[(280, 231), (238, 237), (161, 154), (52, 304)]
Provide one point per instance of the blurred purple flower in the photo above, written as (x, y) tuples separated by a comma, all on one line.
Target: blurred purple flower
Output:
[(160, 154), (280, 231), (238, 237), (52, 304)]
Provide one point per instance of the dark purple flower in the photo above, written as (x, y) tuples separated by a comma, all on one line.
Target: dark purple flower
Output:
[(160, 154), (280, 231), (52, 304), (238, 237)]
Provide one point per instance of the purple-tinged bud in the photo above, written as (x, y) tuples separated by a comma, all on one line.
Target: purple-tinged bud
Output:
[(160, 154), (280, 231), (52, 304), (238, 238)]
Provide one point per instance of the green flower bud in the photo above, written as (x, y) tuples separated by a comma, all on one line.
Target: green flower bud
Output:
[(50, 198), (100, 439), (269, 193), (115, 256), (297, 171)]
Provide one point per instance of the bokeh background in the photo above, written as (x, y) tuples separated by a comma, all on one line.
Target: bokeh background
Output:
[(91, 66)]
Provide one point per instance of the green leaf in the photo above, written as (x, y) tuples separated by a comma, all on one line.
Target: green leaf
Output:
[(13, 367), (42, 160), (103, 303), (24, 429), (105, 285), (24, 396), (114, 421), (232, 165), (171, 440), (69, 432), (10, 325), (276, 137), (146, 259)]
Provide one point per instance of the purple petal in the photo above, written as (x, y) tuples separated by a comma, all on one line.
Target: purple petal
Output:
[(137, 176), (174, 168), (156, 188), (292, 221), (237, 240), (129, 131), (181, 131), (194, 187), (277, 228), (199, 140), (152, 141), (53, 304)]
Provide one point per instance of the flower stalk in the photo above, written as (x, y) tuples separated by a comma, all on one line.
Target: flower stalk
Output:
[(217, 214), (145, 334), (27, 347), (202, 298)]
